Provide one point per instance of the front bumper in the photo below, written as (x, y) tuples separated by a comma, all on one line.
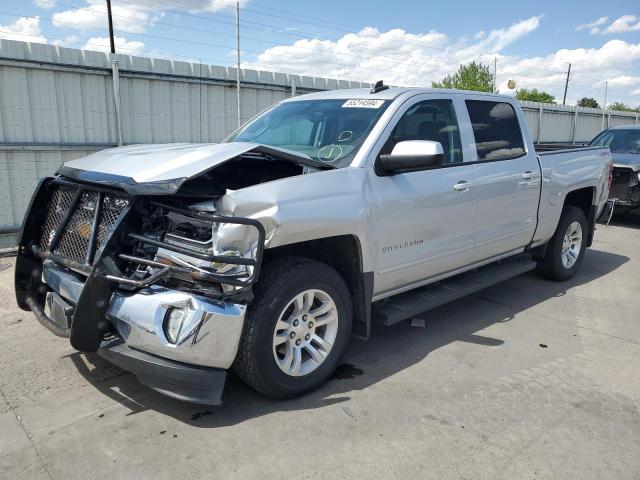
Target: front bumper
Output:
[(192, 369), (211, 330)]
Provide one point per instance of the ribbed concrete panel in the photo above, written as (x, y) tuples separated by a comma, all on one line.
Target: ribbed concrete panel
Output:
[(622, 120), (588, 126), (20, 171)]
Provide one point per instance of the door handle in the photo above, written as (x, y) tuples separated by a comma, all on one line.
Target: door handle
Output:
[(461, 186), (528, 175)]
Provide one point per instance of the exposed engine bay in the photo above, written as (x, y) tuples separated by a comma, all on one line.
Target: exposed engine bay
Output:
[(186, 246)]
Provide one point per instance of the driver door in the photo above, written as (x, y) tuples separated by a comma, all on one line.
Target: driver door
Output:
[(423, 222)]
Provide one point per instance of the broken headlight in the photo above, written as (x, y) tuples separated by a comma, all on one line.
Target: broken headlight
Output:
[(207, 237)]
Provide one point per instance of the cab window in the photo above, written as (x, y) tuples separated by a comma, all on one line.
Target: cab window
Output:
[(430, 120), (496, 130)]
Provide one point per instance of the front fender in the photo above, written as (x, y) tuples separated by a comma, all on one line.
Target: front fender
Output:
[(307, 207)]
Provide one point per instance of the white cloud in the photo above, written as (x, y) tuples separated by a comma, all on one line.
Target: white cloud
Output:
[(626, 23), (624, 81), (403, 58), (592, 25), (47, 4), (25, 29), (636, 91), (101, 44), (205, 5), (497, 40), (130, 17), (68, 41), (126, 17), (396, 55)]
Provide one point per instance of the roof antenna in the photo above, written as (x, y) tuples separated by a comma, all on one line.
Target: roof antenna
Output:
[(378, 87)]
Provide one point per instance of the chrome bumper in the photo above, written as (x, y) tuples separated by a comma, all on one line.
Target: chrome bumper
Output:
[(211, 330)]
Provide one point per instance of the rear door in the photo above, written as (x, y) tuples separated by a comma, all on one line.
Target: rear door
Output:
[(423, 222), (507, 175)]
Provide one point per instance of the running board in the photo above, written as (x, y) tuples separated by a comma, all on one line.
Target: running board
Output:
[(414, 302)]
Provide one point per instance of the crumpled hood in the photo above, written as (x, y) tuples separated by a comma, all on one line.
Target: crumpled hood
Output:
[(161, 169), (631, 160)]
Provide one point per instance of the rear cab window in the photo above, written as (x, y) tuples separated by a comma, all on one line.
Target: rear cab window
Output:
[(496, 130)]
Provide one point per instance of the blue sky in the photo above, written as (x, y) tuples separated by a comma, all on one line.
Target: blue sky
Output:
[(404, 42)]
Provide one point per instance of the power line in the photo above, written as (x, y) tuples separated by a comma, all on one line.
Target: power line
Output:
[(259, 26), (393, 64), (279, 44)]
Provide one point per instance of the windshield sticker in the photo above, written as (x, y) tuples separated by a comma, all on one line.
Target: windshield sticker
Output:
[(362, 103)]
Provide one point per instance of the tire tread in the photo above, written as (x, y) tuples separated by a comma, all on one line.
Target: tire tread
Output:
[(273, 279)]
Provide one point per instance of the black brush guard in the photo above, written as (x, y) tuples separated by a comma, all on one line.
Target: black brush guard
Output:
[(100, 265)]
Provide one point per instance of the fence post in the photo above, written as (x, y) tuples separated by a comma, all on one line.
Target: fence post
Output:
[(116, 97), (575, 125), (636, 118), (293, 87), (609, 119), (539, 135)]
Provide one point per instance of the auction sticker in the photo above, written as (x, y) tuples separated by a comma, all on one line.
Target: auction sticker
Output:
[(362, 103)]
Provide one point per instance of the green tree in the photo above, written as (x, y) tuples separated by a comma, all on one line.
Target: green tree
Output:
[(622, 107), (588, 102), (473, 76), (534, 95)]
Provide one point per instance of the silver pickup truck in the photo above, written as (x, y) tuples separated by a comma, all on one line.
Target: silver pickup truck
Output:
[(266, 252)]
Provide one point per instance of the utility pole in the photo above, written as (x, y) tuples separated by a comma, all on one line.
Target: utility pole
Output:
[(604, 105), (238, 54), (495, 68), (566, 85), (111, 40)]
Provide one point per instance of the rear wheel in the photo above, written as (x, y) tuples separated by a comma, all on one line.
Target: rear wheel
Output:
[(296, 328), (566, 248)]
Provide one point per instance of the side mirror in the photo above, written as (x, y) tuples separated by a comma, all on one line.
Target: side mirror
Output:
[(411, 156)]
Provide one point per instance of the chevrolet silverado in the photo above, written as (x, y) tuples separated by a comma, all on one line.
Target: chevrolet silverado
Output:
[(266, 252)]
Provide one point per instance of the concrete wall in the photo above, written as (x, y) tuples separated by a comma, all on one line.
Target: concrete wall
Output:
[(57, 104)]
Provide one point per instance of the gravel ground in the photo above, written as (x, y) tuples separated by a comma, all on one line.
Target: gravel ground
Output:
[(527, 379)]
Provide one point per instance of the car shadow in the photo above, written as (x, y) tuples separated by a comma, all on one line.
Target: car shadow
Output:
[(390, 350), (626, 219)]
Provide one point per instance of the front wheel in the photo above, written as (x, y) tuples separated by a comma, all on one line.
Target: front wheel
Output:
[(566, 248), (296, 328)]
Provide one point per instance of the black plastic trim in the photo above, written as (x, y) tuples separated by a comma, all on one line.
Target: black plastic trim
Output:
[(362, 304), (189, 383), (128, 184), (396, 164), (567, 150), (45, 321)]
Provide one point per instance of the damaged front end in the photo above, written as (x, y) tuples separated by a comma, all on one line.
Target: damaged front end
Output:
[(625, 186), (157, 284)]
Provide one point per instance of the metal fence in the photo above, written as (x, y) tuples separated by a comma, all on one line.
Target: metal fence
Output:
[(57, 104), (550, 123)]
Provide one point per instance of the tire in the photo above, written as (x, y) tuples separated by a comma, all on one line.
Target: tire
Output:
[(260, 363), (552, 265)]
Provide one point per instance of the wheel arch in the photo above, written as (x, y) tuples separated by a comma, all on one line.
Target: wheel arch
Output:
[(344, 254), (585, 200)]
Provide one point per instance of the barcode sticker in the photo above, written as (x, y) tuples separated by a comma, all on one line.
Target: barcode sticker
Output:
[(362, 103)]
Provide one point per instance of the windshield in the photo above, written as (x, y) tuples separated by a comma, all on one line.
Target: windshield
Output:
[(619, 141), (331, 131)]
